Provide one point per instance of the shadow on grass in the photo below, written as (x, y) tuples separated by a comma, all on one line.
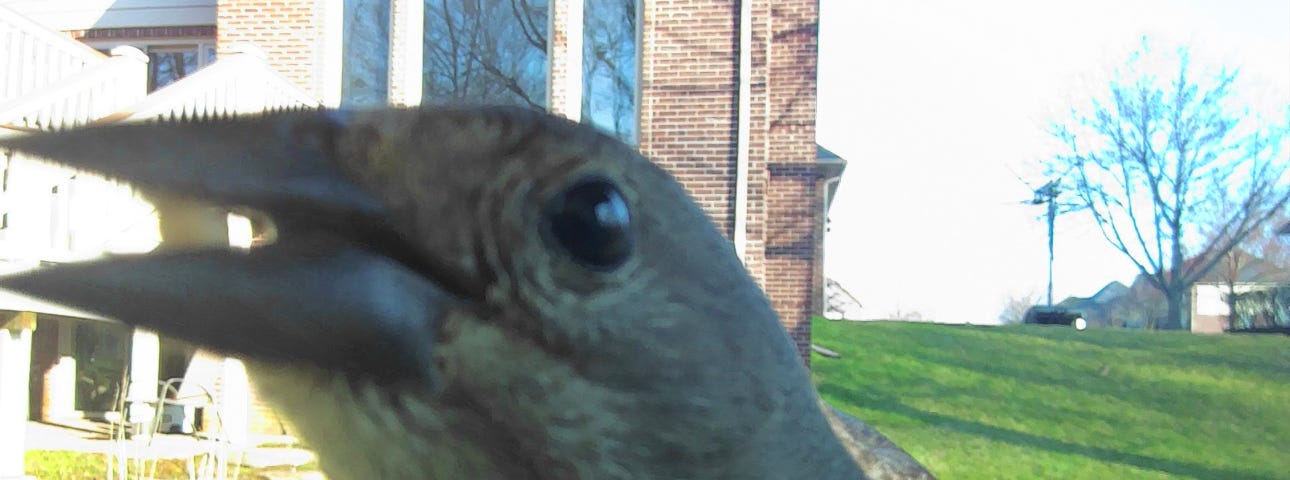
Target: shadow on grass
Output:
[(895, 406), (1180, 347)]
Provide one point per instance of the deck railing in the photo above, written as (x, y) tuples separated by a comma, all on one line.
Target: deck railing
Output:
[(33, 56), (83, 97), (241, 83)]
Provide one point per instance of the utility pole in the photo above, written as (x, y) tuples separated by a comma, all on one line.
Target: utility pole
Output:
[(1048, 194)]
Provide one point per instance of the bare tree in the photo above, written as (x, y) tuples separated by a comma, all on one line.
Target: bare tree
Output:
[(609, 66), (1160, 154), (486, 51), (1140, 307), (1015, 307)]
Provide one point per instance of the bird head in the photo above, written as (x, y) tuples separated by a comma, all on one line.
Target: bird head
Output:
[(461, 293)]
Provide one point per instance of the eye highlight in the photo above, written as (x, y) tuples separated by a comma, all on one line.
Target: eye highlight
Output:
[(590, 221)]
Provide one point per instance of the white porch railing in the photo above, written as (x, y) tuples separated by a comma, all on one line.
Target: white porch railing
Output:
[(32, 56), (83, 97), (241, 83)]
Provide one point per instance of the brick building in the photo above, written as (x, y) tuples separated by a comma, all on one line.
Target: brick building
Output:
[(720, 93)]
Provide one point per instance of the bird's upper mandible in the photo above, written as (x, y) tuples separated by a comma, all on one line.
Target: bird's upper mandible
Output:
[(463, 293)]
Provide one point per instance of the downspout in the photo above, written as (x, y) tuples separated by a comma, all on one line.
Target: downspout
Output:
[(745, 130), (830, 185)]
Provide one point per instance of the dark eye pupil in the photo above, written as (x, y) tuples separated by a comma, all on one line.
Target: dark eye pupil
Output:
[(591, 222)]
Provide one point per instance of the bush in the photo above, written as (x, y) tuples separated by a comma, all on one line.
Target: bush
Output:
[(1262, 308)]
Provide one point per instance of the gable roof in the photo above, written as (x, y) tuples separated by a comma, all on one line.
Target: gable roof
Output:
[(824, 153)]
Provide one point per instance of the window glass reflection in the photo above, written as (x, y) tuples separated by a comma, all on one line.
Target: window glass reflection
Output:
[(485, 51), (167, 64), (609, 58), (365, 65)]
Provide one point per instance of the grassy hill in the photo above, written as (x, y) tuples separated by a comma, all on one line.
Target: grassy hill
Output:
[(1052, 402)]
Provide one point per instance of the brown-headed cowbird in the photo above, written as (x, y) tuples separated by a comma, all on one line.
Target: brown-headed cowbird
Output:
[(463, 293)]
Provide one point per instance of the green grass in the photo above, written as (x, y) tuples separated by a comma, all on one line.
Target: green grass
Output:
[(66, 465), (1052, 402)]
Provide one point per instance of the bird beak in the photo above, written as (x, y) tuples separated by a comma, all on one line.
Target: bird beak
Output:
[(338, 289)]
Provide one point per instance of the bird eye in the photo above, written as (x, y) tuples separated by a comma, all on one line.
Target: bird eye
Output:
[(590, 222)]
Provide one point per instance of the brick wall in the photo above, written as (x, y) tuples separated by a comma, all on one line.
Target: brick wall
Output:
[(793, 223), (689, 120), (287, 30), (689, 89), (689, 116)]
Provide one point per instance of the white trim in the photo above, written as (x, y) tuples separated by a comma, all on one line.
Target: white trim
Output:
[(829, 188), (407, 34), (332, 51), (572, 107), (640, 71), (144, 43), (550, 54), (745, 130), (91, 14)]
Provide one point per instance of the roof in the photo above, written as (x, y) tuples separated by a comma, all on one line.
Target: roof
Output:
[(1252, 270), (829, 166), (1110, 292), (824, 153)]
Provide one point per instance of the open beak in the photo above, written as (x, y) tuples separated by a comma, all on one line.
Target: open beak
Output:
[(339, 289)]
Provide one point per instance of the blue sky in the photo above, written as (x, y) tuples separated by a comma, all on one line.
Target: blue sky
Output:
[(940, 105)]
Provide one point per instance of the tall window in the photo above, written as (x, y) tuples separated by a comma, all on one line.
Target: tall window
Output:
[(485, 51), (609, 58), (365, 66), (167, 63)]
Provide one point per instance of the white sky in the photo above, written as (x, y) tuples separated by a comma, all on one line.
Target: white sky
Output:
[(936, 103)]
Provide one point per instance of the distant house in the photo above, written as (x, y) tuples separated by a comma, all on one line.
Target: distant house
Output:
[(1141, 304), (1097, 309), (1209, 306)]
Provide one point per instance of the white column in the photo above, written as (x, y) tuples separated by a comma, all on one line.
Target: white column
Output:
[(235, 401), (15, 365), (60, 383), (332, 52), (572, 108), (145, 365), (407, 38)]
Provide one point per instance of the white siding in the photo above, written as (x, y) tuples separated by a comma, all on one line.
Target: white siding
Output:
[(89, 216), (86, 14)]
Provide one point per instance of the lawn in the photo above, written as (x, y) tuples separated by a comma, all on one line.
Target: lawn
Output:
[(66, 465), (1052, 402)]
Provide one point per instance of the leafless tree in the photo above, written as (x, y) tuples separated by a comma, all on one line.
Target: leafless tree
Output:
[(1140, 307), (486, 51), (609, 66), (1015, 307), (365, 66), (1158, 155)]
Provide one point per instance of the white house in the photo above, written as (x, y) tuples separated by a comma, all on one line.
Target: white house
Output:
[(58, 364)]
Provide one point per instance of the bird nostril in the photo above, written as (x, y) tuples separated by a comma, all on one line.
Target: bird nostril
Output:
[(249, 228)]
